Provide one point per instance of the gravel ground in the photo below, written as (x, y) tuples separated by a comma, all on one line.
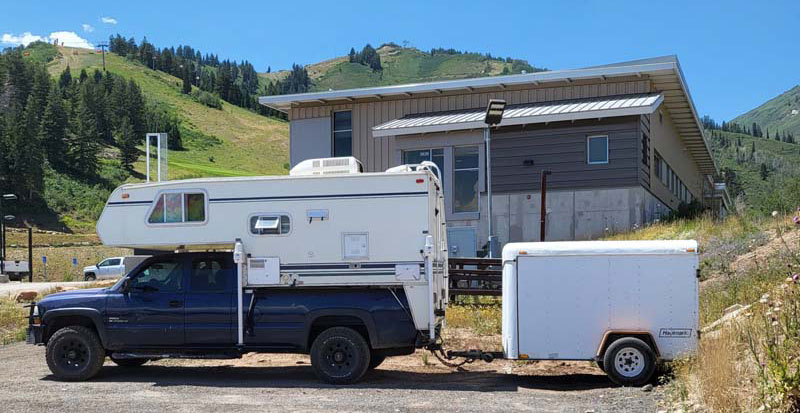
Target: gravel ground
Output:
[(275, 382)]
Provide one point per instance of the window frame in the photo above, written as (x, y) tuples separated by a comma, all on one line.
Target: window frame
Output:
[(181, 266), (277, 214), (183, 193), (477, 168), (191, 287), (430, 159), (334, 130), (588, 150)]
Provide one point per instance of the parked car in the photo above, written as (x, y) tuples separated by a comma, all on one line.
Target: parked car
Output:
[(16, 270), (111, 268)]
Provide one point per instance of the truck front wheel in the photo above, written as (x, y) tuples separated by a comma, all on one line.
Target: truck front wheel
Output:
[(340, 355), (89, 277), (629, 362), (75, 353)]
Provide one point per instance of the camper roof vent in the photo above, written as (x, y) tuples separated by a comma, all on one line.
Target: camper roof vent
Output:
[(327, 166)]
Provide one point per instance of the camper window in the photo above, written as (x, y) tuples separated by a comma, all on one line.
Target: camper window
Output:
[(178, 207), (272, 224)]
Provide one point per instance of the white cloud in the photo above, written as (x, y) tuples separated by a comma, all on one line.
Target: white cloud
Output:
[(23, 39), (70, 39), (88, 28), (108, 20)]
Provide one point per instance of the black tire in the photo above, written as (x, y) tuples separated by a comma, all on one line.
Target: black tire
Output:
[(129, 362), (375, 361), (629, 361), (75, 353), (340, 355), (89, 277)]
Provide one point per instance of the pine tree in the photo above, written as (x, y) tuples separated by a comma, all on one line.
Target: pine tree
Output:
[(29, 160), (52, 131), (83, 141), (187, 79), (763, 172), (127, 141), (65, 79), (83, 76)]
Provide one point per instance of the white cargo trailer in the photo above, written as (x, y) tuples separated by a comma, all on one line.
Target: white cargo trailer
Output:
[(625, 304)]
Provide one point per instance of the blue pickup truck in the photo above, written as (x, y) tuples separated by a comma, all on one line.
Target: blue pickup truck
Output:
[(183, 305)]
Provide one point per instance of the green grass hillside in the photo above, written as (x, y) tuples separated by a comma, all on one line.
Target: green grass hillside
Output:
[(780, 113), (227, 142), (765, 179), (400, 65)]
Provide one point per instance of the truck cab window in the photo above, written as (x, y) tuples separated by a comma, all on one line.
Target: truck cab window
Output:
[(177, 207), (270, 224), (164, 276), (209, 275)]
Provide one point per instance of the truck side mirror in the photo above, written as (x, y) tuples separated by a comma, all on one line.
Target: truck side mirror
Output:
[(126, 285)]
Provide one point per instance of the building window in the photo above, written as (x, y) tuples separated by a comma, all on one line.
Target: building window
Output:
[(597, 149), (270, 224), (343, 133), (645, 149), (465, 179), (178, 207), (432, 155)]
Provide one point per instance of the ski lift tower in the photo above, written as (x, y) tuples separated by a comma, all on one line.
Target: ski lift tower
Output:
[(161, 155)]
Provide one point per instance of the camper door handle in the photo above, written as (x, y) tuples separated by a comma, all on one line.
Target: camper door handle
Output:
[(175, 303)]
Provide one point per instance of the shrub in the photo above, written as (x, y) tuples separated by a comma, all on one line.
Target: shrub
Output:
[(209, 100)]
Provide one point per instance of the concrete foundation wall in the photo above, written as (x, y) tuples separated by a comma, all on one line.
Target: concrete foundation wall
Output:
[(571, 214)]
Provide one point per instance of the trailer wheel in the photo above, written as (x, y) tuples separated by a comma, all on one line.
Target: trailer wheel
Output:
[(129, 362), (375, 361), (340, 355), (89, 277), (629, 362), (75, 353)]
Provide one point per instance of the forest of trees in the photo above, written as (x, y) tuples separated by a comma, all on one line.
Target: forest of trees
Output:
[(235, 83), (368, 56), (754, 130), (65, 124)]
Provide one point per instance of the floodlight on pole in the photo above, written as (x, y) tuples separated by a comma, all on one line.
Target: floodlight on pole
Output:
[(9, 217), (9, 197), (494, 115)]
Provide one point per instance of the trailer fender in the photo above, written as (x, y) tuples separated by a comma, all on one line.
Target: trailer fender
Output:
[(318, 320), (62, 317), (611, 335)]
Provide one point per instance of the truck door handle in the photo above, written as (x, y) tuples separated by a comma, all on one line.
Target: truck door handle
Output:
[(175, 303)]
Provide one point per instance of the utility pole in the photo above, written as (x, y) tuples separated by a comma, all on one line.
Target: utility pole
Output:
[(103, 51)]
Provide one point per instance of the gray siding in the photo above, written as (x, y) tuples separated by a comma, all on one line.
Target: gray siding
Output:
[(310, 138), (561, 148), (377, 153), (645, 144)]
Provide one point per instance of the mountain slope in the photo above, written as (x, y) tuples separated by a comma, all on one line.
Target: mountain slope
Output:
[(403, 65), (227, 142), (781, 113), (767, 179)]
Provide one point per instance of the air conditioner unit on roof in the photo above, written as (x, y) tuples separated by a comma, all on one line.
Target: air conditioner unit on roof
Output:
[(327, 166)]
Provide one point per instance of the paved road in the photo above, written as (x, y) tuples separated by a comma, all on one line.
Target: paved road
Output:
[(13, 287), (287, 383)]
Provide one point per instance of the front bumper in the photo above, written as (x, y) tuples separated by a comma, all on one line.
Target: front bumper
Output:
[(34, 335), (35, 327)]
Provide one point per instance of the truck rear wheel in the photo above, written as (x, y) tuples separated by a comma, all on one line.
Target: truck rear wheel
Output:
[(340, 355), (75, 353), (629, 362)]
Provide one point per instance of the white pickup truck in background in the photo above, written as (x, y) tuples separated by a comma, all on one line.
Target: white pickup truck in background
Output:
[(16, 270), (113, 267)]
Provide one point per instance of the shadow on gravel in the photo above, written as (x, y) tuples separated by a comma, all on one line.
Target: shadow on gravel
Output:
[(303, 377)]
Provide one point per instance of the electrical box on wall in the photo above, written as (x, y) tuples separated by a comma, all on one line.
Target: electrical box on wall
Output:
[(263, 271)]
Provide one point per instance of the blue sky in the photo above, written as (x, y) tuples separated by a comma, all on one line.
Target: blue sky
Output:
[(735, 54)]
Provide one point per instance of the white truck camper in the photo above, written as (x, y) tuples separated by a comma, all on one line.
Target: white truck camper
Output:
[(326, 224), (624, 304)]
